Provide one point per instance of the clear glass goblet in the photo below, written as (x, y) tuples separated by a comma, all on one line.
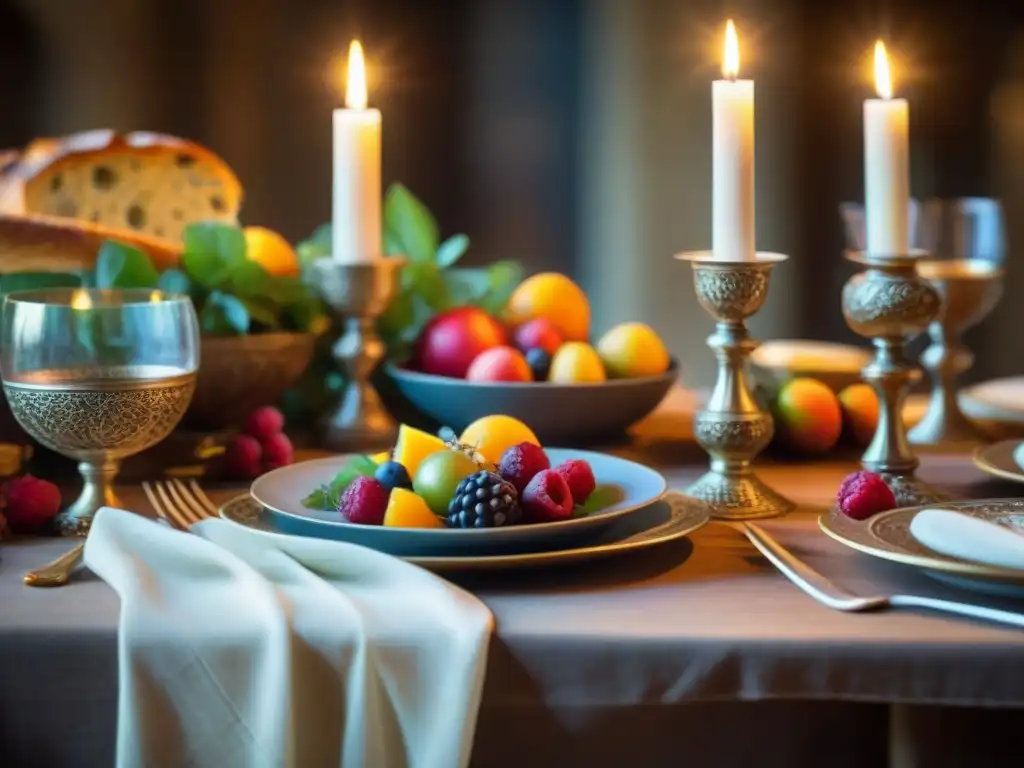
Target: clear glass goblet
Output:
[(97, 376)]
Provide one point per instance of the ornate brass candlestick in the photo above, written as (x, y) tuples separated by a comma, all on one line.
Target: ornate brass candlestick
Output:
[(970, 289), (359, 293), (889, 303), (733, 428)]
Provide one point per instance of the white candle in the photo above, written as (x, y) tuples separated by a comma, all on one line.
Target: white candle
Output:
[(732, 235), (886, 166), (356, 218)]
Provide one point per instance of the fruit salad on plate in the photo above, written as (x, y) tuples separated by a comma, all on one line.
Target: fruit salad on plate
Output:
[(495, 474)]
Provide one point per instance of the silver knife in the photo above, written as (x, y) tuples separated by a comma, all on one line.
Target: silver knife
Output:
[(827, 593)]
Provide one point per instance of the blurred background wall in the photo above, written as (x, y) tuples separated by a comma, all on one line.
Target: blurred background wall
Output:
[(571, 134)]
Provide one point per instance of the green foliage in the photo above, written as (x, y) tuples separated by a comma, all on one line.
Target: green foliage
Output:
[(233, 295), (430, 282), (326, 497)]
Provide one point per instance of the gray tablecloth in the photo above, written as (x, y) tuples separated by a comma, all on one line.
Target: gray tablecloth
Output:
[(629, 659)]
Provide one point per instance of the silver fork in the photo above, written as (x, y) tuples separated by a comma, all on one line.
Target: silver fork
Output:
[(828, 594), (176, 504)]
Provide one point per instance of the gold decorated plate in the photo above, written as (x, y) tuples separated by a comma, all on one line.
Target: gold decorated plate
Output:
[(998, 460), (887, 536), (672, 518)]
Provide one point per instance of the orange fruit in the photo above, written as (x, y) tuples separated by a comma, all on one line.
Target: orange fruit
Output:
[(407, 510), (555, 298), (491, 436), (576, 363), (860, 410), (413, 446), (271, 251), (808, 416), (633, 350)]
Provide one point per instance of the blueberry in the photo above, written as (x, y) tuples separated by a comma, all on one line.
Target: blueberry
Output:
[(393, 475), (540, 363)]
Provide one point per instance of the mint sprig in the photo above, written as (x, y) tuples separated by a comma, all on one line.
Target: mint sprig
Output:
[(327, 496), (233, 295)]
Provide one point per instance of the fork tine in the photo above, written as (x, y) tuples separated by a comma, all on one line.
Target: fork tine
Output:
[(180, 513), (202, 498), (184, 501), (164, 511)]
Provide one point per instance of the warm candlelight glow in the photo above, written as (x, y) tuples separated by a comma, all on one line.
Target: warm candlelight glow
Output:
[(80, 300), (883, 77), (156, 297), (355, 93), (731, 62)]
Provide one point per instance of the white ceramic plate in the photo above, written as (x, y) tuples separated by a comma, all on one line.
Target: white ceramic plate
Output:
[(667, 520), (281, 492), (999, 400), (887, 535)]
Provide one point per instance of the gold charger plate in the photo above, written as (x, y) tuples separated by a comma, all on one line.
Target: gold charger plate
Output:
[(672, 518), (997, 460), (887, 536)]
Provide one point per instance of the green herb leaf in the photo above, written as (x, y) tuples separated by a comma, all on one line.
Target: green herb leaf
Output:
[(204, 268), (174, 281), (604, 496), (223, 313), (261, 310), (247, 278), (326, 497), (119, 265), (409, 226), (34, 281), (451, 250), (223, 241), (502, 279)]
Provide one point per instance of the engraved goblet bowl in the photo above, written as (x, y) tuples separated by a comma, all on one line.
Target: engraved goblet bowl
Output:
[(97, 376)]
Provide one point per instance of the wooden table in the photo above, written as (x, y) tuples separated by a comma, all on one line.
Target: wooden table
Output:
[(695, 654)]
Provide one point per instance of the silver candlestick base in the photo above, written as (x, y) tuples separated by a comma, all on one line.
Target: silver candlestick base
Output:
[(889, 303), (359, 293), (733, 428)]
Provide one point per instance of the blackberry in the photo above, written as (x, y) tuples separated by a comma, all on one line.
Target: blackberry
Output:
[(484, 500)]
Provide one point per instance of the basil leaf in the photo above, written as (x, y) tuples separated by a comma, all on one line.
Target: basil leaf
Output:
[(225, 242), (247, 278), (174, 281), (222, 313), (451, 250), (119, 265), (205, 268), (409, 225), (261, 311)]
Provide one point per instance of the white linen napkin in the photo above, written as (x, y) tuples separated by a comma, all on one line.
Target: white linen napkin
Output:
[(248, 649), (968, 538)]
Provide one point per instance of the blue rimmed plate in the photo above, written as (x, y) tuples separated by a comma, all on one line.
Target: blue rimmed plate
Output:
[(629, 487)]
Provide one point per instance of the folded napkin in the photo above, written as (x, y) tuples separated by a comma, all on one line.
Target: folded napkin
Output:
[(242, 648), (968, 538)]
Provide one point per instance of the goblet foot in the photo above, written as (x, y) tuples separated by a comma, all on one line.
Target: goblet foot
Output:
[(911, 492), (945, 428), (739, 497), (361, 421), (97, 492)]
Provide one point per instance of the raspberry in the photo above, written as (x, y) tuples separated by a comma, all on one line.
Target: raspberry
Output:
[(864, 494), (277, 451), (580, 477), (243, 457), (547, 498), (364, 502), (264, 423), (30, 503), (521, 462)]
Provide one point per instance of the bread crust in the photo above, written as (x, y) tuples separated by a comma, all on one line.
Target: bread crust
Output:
[(36, 243)]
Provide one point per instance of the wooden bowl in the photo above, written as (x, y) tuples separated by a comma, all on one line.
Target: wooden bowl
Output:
[(240, 373)]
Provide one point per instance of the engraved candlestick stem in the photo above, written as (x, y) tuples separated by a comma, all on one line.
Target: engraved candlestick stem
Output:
[(889, 303), (733, 428)]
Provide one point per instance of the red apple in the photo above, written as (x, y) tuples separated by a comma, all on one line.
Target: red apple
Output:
[(451, 341), (499, 364), (539, 333)]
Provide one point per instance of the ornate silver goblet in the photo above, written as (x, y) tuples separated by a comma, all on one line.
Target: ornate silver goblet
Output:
[(970, 290), (359, 293), (732, 427), (890, 303), (98, 376)]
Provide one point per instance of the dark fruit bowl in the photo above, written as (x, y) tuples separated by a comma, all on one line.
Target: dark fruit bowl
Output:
[(559, 414)]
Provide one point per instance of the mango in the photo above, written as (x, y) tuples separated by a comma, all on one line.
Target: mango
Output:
[(553, 297), (808, 417), (576, 363), (632, 350), (859, 404), (413, 446)]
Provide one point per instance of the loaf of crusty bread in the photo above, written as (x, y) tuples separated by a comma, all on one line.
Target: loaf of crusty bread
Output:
[(146, 183), (36, 243)]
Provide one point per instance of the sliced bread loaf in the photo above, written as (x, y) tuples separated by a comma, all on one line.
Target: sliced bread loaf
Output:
[(147, 183)]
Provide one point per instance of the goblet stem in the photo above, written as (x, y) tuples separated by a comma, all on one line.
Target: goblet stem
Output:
[(97, 492), (944, 423), (360, 419)]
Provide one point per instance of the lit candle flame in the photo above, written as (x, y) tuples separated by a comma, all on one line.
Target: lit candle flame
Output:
[(156, 297), (80, 300), (731, 62), (355, 93), (883, 77)]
